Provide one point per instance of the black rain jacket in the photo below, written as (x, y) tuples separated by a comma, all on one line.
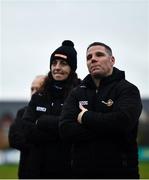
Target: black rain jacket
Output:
[(48, 156), (18, 141), (104, 145)]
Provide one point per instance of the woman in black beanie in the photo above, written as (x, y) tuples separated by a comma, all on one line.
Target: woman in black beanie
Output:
[(49, 156)]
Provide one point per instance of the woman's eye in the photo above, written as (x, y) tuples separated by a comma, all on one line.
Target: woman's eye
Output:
[(64, 63), (54, 63)]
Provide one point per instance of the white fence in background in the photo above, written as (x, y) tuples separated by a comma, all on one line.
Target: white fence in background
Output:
[(10, 156)]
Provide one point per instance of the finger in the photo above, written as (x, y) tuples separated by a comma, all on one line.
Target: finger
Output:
[(80, 106)]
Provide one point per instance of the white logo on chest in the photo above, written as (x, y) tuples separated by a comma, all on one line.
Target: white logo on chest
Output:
[(83, 103), (42, 109), (108, 103)]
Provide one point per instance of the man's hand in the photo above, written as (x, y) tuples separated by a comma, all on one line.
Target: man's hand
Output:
[(83, 110)]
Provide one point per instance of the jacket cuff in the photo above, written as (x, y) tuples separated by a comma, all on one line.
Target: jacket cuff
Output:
[(88, 118)]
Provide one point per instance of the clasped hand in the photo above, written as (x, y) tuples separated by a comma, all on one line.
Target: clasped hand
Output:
[(83, 110)]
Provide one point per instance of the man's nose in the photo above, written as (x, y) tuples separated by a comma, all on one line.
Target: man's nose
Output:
[(93, 60)]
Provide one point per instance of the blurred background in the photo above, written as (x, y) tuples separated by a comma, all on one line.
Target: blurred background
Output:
[(30, 30)]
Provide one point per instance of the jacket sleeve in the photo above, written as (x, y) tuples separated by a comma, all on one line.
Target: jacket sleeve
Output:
[(70, 129), (124, 117), (49, 124), (34, 134), (16, 135)]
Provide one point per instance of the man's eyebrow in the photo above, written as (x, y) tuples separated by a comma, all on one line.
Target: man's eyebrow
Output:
[(99, 52)]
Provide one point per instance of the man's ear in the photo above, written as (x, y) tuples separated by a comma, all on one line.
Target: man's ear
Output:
[(112, 60)]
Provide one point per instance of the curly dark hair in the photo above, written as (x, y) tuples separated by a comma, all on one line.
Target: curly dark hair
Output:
[(70, 83)]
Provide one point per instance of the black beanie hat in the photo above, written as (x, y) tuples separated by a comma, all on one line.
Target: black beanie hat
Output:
[(67, 53)]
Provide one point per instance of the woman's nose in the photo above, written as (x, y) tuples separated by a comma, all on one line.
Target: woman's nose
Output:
[(57, 66)]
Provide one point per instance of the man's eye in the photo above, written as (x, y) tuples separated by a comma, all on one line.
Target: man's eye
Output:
[(98, 54), (89, 57)]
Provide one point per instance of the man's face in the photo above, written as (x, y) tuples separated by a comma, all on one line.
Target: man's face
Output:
[(99, 62), (36, 84), (60, 70)]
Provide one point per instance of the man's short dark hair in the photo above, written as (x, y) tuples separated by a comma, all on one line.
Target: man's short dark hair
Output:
[(109, 50)]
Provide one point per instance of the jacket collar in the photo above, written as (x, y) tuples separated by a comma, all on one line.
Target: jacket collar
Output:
[(117, 75)]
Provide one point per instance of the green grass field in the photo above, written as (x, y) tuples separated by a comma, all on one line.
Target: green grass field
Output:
[(10, 171), (144, 170)]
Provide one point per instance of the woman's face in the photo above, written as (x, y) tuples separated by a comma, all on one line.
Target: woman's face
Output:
[(60, 70)]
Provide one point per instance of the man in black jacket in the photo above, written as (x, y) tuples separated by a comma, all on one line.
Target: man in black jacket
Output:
[(17, 138), (100, 118)]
